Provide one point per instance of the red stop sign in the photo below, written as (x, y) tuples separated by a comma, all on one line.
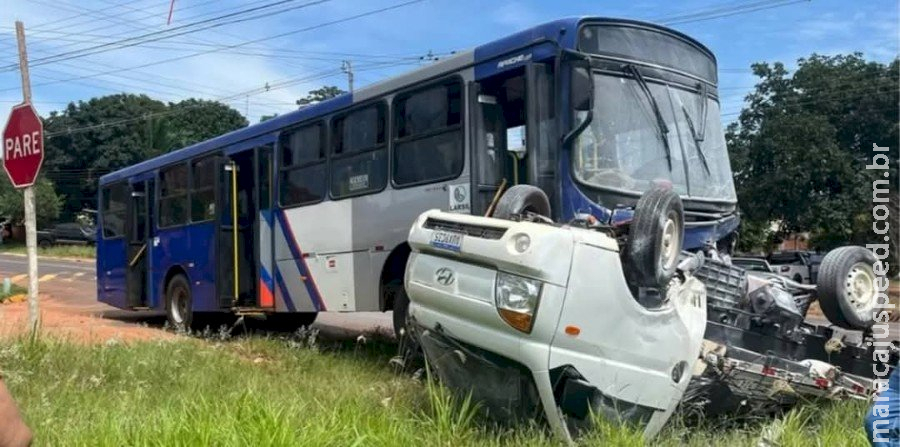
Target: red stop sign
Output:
[(23, 145)]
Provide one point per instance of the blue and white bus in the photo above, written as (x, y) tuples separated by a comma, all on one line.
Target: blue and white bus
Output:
[(309, 212)]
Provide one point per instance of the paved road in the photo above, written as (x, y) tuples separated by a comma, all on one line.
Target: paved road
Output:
[(74, 284), (16, 266)]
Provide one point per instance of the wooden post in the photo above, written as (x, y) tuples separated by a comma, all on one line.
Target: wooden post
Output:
[(30, 218)]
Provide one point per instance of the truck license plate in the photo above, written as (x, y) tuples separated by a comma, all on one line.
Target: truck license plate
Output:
[(446, 240)]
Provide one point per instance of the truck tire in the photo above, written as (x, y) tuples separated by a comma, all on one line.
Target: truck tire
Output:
[(846, 287), (521, 198), (655, 238), (179, 303)]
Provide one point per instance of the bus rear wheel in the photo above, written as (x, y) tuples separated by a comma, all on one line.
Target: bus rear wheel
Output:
[(179, 304)]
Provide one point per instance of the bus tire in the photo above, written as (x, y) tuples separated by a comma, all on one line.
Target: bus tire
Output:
[(846, 287), (179, 303), (521, 199), (655, 238)]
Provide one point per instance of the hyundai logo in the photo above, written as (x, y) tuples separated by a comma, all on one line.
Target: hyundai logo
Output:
[(444, 276)]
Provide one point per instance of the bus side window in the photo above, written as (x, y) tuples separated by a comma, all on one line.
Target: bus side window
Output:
[(359, 163), (113, 209), (203, 193), (173, 196), (428, 142), (302, 168)]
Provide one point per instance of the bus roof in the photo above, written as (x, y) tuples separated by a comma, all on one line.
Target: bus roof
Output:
[(559, 33)]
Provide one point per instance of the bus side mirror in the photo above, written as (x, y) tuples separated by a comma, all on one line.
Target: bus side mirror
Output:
[(581, 89)]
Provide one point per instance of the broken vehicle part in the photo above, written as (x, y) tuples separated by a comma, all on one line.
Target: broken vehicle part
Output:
[(579, 348)]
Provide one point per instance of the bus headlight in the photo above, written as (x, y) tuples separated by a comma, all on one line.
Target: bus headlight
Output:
[(516, 299)]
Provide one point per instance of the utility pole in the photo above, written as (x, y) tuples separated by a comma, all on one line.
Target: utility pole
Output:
[(30, 218), (347, 67)]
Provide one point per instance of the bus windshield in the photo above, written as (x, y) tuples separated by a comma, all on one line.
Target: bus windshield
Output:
[(625, 145)]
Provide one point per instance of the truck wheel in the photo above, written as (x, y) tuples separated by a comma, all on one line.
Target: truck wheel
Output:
[(44, 244), (521, 198), (846, 287), (179, 304), (655, 238)]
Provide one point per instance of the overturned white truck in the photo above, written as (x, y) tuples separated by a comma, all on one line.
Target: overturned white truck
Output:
[(537, 318)]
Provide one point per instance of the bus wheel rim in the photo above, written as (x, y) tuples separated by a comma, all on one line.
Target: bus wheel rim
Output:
[(179, 306)]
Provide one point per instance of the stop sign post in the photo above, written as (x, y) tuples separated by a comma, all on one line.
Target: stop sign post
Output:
[(23, 145), (23, 154)]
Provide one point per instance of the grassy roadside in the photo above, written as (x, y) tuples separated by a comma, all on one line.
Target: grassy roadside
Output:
[(15, 292), (265, 391), (56, 251)]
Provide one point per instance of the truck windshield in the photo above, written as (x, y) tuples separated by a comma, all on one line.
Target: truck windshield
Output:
[(623, 148)]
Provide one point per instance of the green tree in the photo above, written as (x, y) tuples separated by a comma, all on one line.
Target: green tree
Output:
[(195, 120), (800, 146), (91, 138), (47, 203), (320, 94)]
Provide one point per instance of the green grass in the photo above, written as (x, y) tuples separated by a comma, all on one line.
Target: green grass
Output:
[(59, 251), (284, 392), (14, 289)]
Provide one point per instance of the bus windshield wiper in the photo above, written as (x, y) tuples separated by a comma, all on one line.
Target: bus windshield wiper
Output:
[(698, 139), (660, 122)]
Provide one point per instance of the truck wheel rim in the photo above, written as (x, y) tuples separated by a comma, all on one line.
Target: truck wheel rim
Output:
[(669, 243), (860, 286)]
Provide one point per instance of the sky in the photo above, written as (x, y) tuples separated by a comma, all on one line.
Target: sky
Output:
[(303, 48)]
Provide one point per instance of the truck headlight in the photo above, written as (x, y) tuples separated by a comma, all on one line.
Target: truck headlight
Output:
[(517, 299)]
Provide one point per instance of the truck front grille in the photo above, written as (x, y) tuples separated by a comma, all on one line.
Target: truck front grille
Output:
[(482, 231)]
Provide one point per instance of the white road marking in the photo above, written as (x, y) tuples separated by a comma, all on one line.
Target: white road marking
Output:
[(48, 277)]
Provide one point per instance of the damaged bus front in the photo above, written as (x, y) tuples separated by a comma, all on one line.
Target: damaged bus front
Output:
[(602, 283)]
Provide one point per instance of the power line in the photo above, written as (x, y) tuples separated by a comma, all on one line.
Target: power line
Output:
[(168, 33), (249, 42), (837, 96), (727, 11), (269, 87), (132, 24)]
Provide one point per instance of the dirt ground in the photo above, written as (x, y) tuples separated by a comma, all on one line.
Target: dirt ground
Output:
[(62, 320)]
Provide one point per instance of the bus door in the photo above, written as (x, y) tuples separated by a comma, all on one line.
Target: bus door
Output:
[(512, 115), (499, 112), (137, 235), (489, 146), (237, 236)]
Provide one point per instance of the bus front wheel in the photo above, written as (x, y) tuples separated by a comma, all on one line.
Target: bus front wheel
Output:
[(179, 304)]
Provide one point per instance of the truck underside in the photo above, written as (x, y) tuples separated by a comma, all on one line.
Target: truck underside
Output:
[(752, 351)]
